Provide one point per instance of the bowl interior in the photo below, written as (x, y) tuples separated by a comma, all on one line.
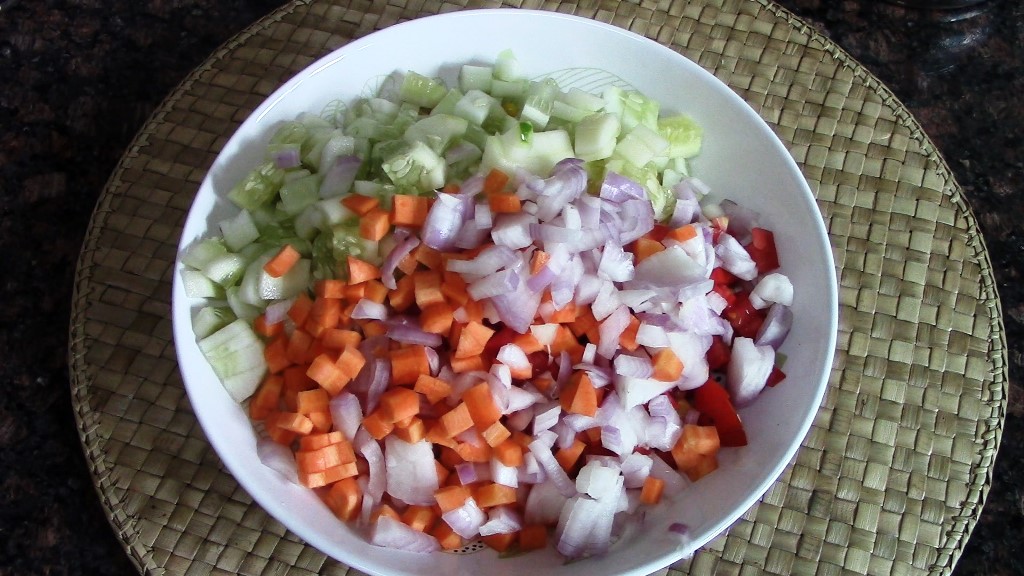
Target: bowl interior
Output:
[(742, 160)]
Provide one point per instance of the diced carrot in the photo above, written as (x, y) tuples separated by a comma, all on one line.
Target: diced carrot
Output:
[(427, 288), (351, 361), (328, 476), (376, 425), (579, 395), (276, 354), (420, 518), (276, 432), (282, 262), (682, 233), (504, 203), (427, 256), (375, 291), (442, 472), (385, 510), (407, 364), (309, 401), (539, 259), (453, 287), (700, 439), (436, 318), (494, 494), (500, 542), (325, 372), (446, 536), (482, 408), (456, 420), (564, 315), (316, 441), (473, 310), (360, 204), (404, 294), (300, 308), (704, 465), (434, 389), (340, 338), (509, 453), (325, 313), (408, 264), (261, 327), (533, 537), (627, 340), (477, 451), (299, 344), (344, 498), (375, 224), (450, 498), (323, 458), (354, 292), (373, 328), (294, 422), (495, 181), (398, 403), (266, 398), (409, 210), (360, 271), (329, 288), (646, 247), (413, 430), (652, 489), (463, 365), (667, 366), (449, 457), (322, 421), (472, 339), (565, 341), (496, 434), (568, 457)]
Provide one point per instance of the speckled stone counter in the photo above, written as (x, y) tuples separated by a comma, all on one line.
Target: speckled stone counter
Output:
[(80, 78)]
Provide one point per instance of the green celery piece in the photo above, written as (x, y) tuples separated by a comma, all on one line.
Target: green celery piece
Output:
[(421, 90), (684, 135), (258, 188), (436, 131)]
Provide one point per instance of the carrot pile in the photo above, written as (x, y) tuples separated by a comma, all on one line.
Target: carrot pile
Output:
[(323, 346)]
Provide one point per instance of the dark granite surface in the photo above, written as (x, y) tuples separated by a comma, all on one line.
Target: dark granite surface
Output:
[(79, 78)]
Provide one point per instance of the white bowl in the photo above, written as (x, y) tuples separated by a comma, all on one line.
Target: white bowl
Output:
[(742, 159)]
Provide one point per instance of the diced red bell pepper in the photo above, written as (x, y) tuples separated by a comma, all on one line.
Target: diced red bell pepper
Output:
[(744, 318), (718, 355), (712, 400), (762, 250), (776, 376)]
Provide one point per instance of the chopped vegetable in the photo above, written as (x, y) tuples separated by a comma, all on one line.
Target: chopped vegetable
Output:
[(490, 312)]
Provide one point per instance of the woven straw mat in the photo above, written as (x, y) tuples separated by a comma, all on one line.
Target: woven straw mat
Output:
[(891, 477)]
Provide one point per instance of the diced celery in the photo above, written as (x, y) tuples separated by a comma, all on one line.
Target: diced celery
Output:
[(225, 269), (288, 285), (338, 145), (537, 153), (201, 252), (447, 104), (209, 319), (641, 145), (239, 230), (437, 131), (413, 165), (582, 100), (299, 193), (507, 67), (514, 90), (632, 107), (198, 285), (421, 90), (540, 97), (596, 136), (235, 353), (474, 106), (242, 309), (475, 78), (684, 135), (258, 188)]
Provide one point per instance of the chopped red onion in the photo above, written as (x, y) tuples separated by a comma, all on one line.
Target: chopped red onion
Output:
[(748, 371), (487, 262), (513, 230), (444, 220), (618, 188), (610, 329), (397, 535), (391, 261), (543, 503), (776, 326), (636, 467), (734, 257), (634, 366), (340, 176), (413, 335), (411, 470), (552, 468), (366, 309), (771, 289), (346, 414), (466, 471), (500, 283), (278, 458), (374, 456), (287, 156), (466, 519), (504, 475), (501, 520)]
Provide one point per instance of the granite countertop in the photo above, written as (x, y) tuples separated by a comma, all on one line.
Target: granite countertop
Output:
[(80, 78)]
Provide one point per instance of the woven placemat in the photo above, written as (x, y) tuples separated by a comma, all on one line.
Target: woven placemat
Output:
[(894, 472)]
